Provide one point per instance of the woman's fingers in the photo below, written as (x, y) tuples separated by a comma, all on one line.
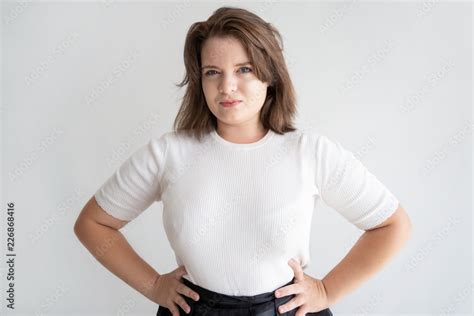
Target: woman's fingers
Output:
[(287, 290), (167, 290), (181, 302), (173, 309), (181, 271), (183, 289), (298, 271), (292, 304)]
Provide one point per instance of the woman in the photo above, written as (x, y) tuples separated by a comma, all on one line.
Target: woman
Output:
[(238, 184)]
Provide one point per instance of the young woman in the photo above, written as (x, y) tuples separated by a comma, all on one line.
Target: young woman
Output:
[(238, 184)]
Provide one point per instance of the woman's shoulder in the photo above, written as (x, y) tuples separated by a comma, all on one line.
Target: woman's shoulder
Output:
[(305, 135), (318, 136), (188, 138)]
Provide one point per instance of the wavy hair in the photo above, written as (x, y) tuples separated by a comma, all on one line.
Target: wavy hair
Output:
[(264, 46)]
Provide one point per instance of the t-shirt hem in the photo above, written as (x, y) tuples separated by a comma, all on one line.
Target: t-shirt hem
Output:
[(379, 216), (111, 209)]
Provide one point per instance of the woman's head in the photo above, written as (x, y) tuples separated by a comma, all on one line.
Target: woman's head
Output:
[(227, 74), (213, 48)]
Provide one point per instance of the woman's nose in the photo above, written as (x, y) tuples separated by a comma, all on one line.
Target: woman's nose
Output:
[(228, 84)]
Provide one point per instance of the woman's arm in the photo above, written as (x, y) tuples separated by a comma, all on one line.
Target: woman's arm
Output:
[(368, 255), (99, 233)]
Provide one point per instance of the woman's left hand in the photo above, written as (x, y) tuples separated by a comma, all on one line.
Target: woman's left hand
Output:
[(310, 293)]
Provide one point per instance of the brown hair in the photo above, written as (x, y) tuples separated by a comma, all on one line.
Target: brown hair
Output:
[(264, 46)]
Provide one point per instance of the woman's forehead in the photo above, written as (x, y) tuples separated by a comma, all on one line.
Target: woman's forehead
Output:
[(223, 50)]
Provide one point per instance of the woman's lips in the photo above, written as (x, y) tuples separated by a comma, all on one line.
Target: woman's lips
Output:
[(229, 104)]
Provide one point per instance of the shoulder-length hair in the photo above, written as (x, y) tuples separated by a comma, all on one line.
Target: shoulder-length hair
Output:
[(264, 46)]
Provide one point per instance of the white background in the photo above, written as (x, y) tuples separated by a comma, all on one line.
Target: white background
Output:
[(84, 84)]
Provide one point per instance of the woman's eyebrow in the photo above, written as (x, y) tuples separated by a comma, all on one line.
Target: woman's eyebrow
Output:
[(239, 64)]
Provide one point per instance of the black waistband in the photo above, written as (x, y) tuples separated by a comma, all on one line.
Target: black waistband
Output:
[(212, 298)]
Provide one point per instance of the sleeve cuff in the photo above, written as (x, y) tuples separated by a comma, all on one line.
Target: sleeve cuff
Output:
[(379, 215)]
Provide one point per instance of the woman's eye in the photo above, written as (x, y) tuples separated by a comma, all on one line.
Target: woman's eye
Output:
[(211, 72), (208, 73), (250, 69)]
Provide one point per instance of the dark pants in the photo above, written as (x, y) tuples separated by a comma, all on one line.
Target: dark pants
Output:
[(215, 304)]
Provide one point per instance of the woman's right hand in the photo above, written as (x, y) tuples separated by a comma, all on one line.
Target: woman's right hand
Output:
[(167, 290)]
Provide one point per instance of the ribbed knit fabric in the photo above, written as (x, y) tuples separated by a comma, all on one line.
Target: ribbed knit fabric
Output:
[(234, 214)]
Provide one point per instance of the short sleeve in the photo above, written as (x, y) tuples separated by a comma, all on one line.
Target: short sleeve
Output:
[(136, 184), (348, 187)]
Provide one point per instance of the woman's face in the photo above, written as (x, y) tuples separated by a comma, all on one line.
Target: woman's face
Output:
[(226, 75)]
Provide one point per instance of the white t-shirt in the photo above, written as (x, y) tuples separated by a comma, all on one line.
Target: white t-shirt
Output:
[(234, 214)]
